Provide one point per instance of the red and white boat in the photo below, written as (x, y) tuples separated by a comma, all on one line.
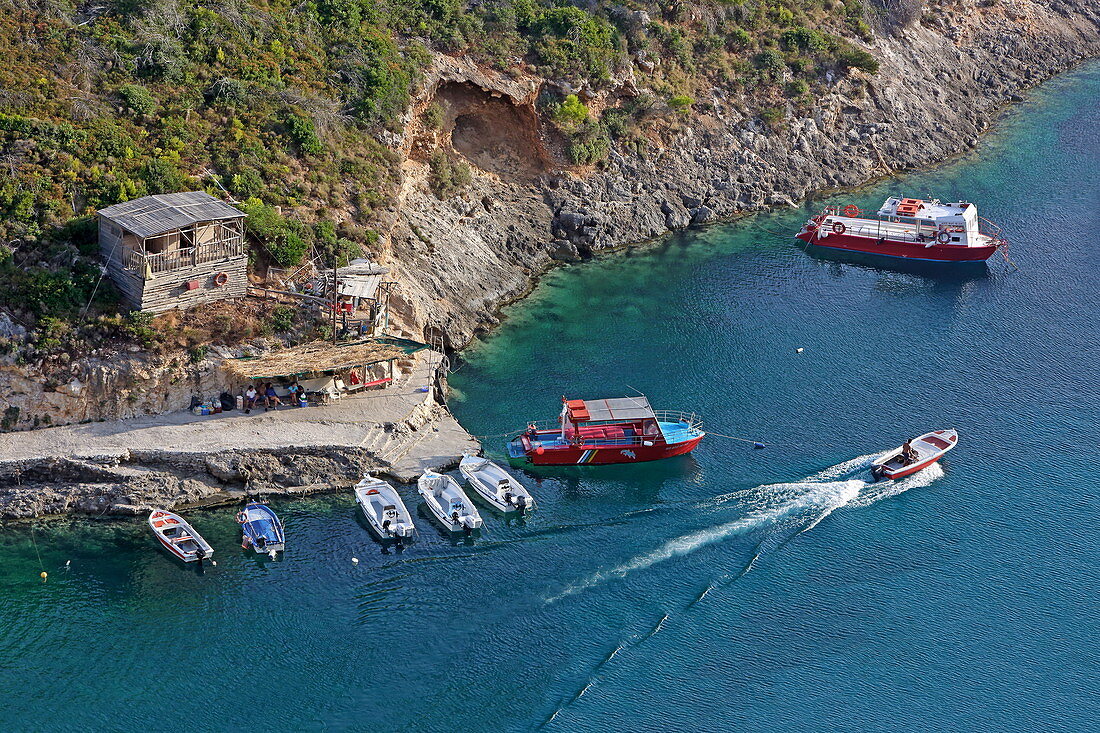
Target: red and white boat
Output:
[(619, 430), (918, 453), (913, 229), (178, 537)]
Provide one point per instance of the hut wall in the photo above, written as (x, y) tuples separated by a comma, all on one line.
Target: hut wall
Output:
[(169, 289)]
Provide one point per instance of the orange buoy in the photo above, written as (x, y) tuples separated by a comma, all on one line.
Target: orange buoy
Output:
[(221, 279), (851, 210)]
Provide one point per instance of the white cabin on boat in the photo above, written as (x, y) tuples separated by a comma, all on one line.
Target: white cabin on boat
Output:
[(955, 223)]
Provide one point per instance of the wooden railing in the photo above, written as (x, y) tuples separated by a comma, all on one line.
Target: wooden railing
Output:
[(181, 258)]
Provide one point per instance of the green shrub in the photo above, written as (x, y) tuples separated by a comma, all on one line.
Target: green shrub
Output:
[(139, 327), (739, 38), (137, 98), (280, 238), (569, 41), (303, 133), (796, 88), (282, 318), (680, 102), (804, 39), (433, 116), (852, 57), (570, 112), (773, 116), (447, 175), (247, 184), (771, 62), (162, 176), (197, 353)]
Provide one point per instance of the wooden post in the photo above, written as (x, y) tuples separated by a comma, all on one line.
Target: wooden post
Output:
[(335, 298)]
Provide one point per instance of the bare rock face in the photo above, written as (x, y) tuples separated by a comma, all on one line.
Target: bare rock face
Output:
[(945, 72)]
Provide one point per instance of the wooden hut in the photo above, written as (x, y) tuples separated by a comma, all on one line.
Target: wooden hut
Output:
[(174, 250)]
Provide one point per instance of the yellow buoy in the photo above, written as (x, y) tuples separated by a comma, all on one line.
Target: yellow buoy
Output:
[(43, 576)]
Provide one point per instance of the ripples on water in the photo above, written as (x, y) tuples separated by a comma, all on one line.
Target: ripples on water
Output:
[(715, 591)]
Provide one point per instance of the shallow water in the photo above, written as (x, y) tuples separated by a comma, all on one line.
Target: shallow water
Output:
[(734, 588)]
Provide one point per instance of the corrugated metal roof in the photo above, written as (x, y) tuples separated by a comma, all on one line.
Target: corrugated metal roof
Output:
[(619, 408), (149, 216), (359, 286)]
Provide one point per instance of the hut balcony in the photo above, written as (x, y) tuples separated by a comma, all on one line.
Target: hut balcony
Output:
[(154, 263)]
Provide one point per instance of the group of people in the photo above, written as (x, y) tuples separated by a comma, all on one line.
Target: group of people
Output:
[(296, 396)]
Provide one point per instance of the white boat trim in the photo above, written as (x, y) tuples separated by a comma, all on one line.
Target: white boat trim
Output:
[(929, 448), (383, 508), (496, 486), (178, 537), (444, 498)]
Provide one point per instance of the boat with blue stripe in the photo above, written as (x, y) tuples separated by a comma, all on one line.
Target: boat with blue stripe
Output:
[(616, 430), (261, 529)]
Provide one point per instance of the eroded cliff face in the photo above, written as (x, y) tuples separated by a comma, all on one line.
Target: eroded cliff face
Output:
[(940, 85)]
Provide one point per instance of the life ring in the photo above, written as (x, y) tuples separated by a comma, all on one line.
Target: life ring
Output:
[(851, 210), (221, 279), (944, 237), (838, 227)]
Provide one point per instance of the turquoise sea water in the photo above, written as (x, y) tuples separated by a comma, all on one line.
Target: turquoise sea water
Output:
[(732, 589)]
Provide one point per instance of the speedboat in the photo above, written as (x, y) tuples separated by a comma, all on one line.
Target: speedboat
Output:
[(178, 537), (383, 508), (922, 452), (261, 529), (448, 503), (493, 484), (617, 430)]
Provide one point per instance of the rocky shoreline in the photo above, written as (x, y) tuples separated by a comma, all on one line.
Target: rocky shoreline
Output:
[(179, 460), (940, 85)]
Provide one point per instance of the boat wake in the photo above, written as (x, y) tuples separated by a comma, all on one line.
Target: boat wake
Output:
[(799, 504)]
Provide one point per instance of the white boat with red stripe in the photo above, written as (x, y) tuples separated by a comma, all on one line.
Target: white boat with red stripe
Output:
[(914, 229), (916, 454), (179, 537)]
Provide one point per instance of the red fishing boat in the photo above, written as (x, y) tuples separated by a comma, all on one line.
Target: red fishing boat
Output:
[(913, 229), (619, 430)]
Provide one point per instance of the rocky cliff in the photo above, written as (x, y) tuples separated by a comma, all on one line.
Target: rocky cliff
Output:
[(940, 84), (944, 73)]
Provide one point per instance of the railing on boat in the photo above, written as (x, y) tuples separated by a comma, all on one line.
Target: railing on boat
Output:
[(692, 425)]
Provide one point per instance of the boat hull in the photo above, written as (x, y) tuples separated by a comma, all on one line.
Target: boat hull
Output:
[(932, 252), (401, 529), (941, 441), (909, 470), (597, 455)]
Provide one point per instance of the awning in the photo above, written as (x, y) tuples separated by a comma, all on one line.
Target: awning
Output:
[(359, 286), (320, 357), (618, 408)]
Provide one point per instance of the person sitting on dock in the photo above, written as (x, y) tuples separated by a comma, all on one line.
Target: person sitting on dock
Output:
[(250, 398), (271, 399), (292, 394)]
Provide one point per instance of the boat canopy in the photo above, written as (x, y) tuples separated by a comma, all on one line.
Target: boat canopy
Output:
[(618, 408)]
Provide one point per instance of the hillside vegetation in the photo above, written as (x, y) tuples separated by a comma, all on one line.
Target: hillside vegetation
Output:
[(291, 105)]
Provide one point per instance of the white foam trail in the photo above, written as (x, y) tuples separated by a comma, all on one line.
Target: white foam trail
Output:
[(886, 489), (793, 497)]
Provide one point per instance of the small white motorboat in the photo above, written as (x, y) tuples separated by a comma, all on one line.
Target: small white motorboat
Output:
[(916, 454), (448, 503), (383, 508), (178, 537), (495, 485)]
